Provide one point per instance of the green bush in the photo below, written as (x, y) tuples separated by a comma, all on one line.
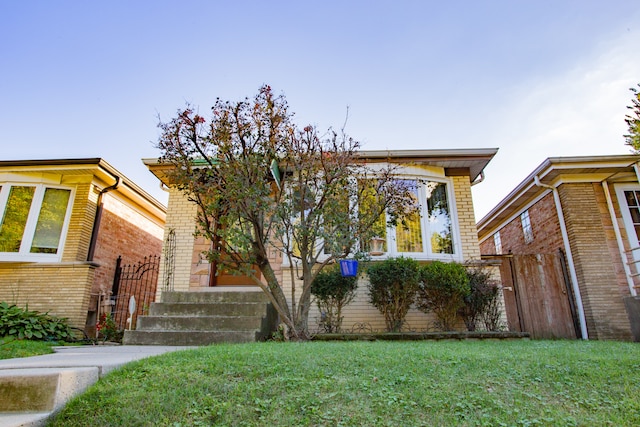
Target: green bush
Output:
[(332, 292), (392, 289), (481, 301), (442, 290), (23, 323)]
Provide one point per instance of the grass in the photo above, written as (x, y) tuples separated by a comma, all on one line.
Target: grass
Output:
[(11, 348), (473, 383)]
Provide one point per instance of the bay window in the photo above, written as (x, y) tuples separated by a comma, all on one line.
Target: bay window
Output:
[(429, 233), (33, 222)]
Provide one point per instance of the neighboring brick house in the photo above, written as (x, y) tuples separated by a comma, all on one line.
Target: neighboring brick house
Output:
[(63, 224), (451, 172), (587, 210)]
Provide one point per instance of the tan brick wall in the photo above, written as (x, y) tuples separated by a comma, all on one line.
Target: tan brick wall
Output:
[(590, 233), (181, 218), (83, 212), (60, 289), (466, 218)]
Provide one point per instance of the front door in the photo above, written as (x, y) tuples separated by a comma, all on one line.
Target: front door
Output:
[(217, 277)]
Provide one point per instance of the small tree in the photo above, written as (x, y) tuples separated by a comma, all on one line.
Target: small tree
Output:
[(392, 289), (265, 186), (443, 288), (332, 292), (632, 139), (480, 300)]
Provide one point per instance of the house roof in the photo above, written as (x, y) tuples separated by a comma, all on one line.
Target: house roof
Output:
[(97, 167), (457, 161), (553, 172)]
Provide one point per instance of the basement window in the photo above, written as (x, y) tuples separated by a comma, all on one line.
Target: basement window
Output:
[(34, 221)]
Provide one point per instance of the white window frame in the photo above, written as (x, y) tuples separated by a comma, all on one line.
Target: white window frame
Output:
[(427, 252), (416, 174), (24, 254), (626, 217), (527, 228)]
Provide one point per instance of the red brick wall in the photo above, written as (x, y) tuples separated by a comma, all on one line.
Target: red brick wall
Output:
[(547, 237), (123, 232)]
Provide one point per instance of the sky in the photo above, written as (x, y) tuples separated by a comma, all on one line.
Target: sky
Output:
[(534, 79)]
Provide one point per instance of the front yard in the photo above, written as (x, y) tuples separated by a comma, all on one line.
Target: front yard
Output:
[(467, 383)]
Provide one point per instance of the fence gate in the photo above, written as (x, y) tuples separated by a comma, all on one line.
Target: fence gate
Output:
[(140, 280), (538, 296)]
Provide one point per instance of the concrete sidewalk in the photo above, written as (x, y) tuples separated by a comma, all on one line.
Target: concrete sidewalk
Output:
[(32, 388)]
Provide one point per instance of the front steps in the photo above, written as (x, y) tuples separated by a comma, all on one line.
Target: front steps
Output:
[(217, 315)]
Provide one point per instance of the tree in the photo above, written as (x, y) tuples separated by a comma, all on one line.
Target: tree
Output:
[(263, 185), (632, 139)]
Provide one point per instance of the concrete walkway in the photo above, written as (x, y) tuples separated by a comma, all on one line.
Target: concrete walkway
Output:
[(32, 388)]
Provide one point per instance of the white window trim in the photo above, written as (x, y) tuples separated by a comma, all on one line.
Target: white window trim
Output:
[(25, 255), (427, 254), (626, 216)]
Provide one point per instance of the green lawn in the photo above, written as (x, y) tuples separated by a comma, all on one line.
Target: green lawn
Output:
[(11, 348), (427, 383)]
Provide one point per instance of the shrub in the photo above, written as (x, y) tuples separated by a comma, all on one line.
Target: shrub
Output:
[(23, 323), (443, 287), (392, 289), (481, 301), (332, 292)]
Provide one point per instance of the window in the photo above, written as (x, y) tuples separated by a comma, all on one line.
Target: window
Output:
[(34, 218), (629, 200), (633, 204), (526, 227), (497, 242), (425, 235)]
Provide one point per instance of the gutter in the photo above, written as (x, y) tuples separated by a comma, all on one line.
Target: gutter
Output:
[(96, 222), (567, 248)]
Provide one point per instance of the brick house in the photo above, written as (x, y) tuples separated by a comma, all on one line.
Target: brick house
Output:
[(584, 212), (451, 172), (64, 223)]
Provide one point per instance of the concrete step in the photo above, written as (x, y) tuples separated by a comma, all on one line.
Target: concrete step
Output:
[(28, 396), (207, 309), (200, 323), (195, 338), (205, 317), (215, 296)]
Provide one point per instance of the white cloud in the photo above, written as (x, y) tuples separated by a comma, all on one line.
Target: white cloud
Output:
[(580, 112)]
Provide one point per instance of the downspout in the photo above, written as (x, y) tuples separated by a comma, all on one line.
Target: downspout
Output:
[(567, 249), (616, 229), (96, 221)]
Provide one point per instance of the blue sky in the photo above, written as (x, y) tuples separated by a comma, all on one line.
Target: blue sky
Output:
[(535, 79)]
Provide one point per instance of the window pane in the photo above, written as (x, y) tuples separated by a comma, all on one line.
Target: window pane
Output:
[(50, 221), (439, 218), (15, 218), (409, 230), (367, 209)]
